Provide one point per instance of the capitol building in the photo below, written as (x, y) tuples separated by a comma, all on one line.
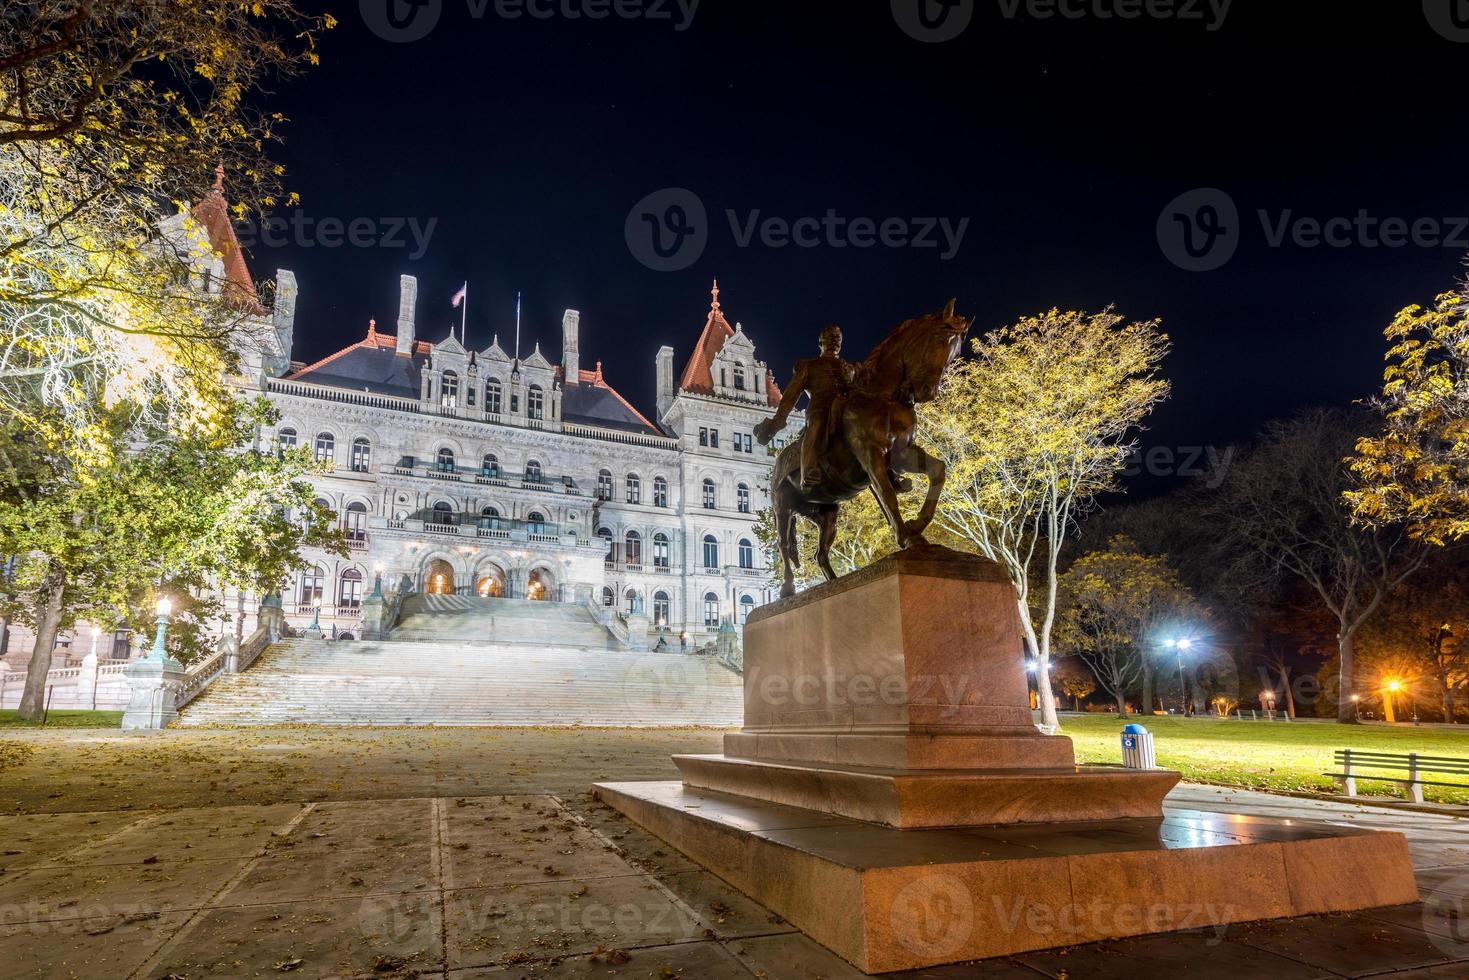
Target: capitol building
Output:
[(474, 472)]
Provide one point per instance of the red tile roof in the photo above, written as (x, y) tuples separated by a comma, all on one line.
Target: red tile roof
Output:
[(698, 374), (214, 214)]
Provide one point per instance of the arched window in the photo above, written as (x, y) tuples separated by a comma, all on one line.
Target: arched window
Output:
[(490, 466), (287, 438), (604, 484), (535, 403), (449, 390), (489, 518), (312, 585), (747, 606), (711, 551), (355, 523), (743, 498), (633, 543), (361, 455), (747, 553), (606, 535), (634, 488), (711, 497), (660, 492), (711, 610), (443, 512), (445, 461), (660, 550), (629, 599), (607, 595), (349, 591), (739, 376), (536, 522), (326, 448), (661, 609), (493, 394), (533, 472)]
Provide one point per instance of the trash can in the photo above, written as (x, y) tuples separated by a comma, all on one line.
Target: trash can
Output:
[(1137, 748)]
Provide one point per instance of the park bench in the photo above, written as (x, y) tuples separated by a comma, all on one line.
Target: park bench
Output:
[(1411, 765)]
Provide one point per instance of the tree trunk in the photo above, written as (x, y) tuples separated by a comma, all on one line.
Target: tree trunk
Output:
[(1346, 710), (1041, 648), (1147, 685), (1290, 697), (1448, 697), (49, 599), (239, 618), (1121, 706)]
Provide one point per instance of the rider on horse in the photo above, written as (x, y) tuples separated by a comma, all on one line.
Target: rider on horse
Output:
[(825, 380)]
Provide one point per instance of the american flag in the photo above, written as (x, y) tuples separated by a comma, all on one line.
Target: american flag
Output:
[(460, 296)]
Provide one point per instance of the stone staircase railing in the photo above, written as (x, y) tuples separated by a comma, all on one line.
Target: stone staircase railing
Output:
[(610, 618), (224, 660)]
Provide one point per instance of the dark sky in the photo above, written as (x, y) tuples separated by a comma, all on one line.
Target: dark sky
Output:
[(1061, 140)]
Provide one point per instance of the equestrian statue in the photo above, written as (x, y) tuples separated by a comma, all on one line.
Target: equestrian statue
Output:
[(860, 423)]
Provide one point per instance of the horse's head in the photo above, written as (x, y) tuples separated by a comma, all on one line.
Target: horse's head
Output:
[(934, 342)]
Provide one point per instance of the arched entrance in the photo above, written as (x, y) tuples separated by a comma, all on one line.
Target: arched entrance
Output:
[(438, 578), (491, 584), (541, 587)]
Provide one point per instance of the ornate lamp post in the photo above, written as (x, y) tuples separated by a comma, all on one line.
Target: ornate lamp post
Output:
[(1180, 644), (164, 608)]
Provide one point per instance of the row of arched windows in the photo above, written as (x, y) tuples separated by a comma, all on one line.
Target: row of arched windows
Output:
[(663, 607), (633, 483), (494, 397), (311, 588), (632, 550), (710, 496)]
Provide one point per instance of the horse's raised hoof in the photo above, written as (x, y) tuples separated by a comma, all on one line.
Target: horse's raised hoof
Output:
[(787, 590)]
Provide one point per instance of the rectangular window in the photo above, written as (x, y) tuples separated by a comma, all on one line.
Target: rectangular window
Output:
[(713, 438), (514, 404), (749, 443), (703, 436)]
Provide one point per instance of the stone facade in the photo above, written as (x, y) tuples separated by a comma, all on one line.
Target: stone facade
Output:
[(474, 472)]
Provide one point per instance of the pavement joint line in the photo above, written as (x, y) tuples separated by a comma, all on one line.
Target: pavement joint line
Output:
[(22, 873), (539, 960), (667, 892), (183, 931), (438, 817)]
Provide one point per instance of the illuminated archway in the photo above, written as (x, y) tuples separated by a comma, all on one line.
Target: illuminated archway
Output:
[(439, 578), (540, 587), (491, 584)]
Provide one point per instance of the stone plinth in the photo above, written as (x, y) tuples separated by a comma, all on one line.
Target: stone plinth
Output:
[(898, 695), (890, 794), (886, 899), (152, 688)]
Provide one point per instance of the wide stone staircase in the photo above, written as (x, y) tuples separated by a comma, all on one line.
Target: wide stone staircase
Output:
[(466, 661)]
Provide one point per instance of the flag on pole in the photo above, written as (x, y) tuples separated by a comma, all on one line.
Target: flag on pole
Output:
[(460, 296)]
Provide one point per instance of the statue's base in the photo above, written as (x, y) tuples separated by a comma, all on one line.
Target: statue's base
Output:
[(887, 899), (927, 798)]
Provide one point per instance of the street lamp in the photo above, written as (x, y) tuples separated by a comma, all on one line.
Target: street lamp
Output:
[(1180, 644), (1357, 707), (164, 608), (1392, 687)]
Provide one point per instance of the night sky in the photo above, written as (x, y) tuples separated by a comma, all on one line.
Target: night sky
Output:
[(1061, 141)]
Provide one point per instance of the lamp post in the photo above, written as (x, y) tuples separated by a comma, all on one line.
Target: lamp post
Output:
[(164, 607), (377, 581), (1356, 707), (1180, 644), (1391, 688)]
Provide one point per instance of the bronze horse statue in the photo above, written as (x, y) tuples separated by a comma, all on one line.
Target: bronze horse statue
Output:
[(872, 443)]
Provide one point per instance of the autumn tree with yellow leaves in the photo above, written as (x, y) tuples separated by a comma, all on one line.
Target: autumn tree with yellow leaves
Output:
[(1033, 428)]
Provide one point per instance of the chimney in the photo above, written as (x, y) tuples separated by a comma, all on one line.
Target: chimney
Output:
[(571, 346), (284, 313), (407, 305), (665, 379)]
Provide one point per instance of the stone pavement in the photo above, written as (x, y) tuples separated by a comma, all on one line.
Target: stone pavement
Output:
[(539, 887)]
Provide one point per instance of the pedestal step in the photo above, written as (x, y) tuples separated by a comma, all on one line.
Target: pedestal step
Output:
[(887, 899)]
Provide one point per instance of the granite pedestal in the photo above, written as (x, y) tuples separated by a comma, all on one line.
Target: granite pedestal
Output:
[(890, 794)]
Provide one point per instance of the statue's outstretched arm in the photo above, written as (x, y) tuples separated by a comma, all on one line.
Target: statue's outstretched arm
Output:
[(767, 429)]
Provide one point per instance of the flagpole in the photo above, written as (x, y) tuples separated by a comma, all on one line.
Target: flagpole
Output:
[(464, 317), (517, 326)]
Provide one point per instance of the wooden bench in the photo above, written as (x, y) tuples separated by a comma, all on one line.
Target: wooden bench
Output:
[(1412, 766)]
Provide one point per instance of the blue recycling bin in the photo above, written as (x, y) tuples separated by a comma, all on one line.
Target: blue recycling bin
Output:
[(1137, 748)]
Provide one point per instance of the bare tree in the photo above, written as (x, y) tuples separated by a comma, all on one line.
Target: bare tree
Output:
[(1284, 515)]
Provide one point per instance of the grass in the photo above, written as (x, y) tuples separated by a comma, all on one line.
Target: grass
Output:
[(65, 719), (1270, 755)]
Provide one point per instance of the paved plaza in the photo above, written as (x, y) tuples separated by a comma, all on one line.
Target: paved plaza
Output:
[(394, 853)]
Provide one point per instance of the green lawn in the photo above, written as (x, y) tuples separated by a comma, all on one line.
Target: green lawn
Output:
[(1270, 755), (65, 719)]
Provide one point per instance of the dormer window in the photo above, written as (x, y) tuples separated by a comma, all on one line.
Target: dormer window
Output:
[(449, 390), (535, 403), (739, 376)]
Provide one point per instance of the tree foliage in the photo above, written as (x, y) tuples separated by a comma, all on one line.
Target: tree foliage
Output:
[(113, 117), (1111, 606), (1033, 429), (1416, 470)]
